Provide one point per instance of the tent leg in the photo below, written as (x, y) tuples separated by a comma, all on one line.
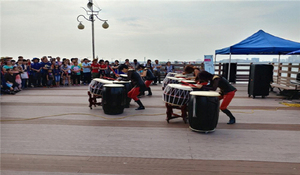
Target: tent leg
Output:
[(228, 76)]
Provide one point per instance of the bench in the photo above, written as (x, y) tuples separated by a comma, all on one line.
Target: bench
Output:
[(290, 92)]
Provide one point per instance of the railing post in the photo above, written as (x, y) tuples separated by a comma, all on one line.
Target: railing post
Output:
[(220, 67), (289, 74), (279, 72)]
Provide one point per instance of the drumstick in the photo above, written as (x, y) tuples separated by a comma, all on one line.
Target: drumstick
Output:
[(113, 71), (109, 78), (188, 84)]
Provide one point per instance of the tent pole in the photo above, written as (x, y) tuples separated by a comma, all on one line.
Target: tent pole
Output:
[(228, 76), (215, 62), (278, 67)]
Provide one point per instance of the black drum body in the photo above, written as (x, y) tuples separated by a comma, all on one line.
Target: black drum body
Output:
[(203, 113), (113, 99), (127, 88)]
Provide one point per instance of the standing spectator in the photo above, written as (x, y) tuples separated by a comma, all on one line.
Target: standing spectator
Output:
[(76, 73), (102, 68), (86, 69), (115, 67), (149, 66), (57, 74), (50, 78), (25, 74), (169, 67), (20, 58), (108, 68), (127, 63), (35, 74), (156, 71), (58, 61), (69, 72), (7, 65), (65, 73), (13, 63), (46, 65), (135, 64), (95, 69)]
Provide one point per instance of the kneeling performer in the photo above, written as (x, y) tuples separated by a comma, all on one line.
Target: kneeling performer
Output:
[(136, 82)]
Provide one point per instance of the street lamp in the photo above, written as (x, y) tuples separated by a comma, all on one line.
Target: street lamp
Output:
[(92, 12)]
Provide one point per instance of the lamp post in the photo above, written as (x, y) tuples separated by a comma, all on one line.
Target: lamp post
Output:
[(92, 13)]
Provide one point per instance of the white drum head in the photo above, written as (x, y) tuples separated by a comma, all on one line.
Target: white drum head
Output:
[(189, 81), (120, 82), (174, 78), (102, 81), (180, 75), (179, 86), (124, 75), (205, 93), (113, 85)]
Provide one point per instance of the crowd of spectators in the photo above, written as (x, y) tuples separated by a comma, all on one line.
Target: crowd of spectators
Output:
[(55, 72)]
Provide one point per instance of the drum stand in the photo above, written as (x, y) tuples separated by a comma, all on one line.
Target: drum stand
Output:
[(93, 100), (171, 115)]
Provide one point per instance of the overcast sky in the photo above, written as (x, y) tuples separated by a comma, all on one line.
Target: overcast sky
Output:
[(165, 30)]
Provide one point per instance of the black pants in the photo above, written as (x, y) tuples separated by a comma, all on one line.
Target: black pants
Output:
[(36, 79), (76, 78), (44, 79), (157, 75), (87, 77)]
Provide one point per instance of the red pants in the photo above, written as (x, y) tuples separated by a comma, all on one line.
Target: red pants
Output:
[(226, 99), (148, 82), (134, 93)]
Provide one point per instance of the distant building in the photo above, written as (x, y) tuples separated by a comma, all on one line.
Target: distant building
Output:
[(275, 60), (255, 59)]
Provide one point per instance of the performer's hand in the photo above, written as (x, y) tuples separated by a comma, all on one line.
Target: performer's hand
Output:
[(117, 75), (199, 86)]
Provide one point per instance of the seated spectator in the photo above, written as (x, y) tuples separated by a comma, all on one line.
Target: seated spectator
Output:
[(10, 80)]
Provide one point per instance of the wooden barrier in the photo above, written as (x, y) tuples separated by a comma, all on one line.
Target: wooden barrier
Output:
[(282, 78)]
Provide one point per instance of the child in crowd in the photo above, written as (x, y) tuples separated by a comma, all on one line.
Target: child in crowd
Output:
[(25, 75), (50, 78), (57, 74), (18, 77), (76, 73)]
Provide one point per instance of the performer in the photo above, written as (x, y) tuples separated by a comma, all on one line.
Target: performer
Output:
[(137, 84), (144, 72), (227, 90), (192, 69)]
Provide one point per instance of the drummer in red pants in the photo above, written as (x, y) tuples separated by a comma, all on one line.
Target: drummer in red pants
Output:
[(227, 90), (136, 82), (148, 75)]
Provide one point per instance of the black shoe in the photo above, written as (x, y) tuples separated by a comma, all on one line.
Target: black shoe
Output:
[(154, 84), (149, 94), (140, 108), (231, 121)]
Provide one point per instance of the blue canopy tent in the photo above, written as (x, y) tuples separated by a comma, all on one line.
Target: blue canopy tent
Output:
[(297, 52), (260, 43)]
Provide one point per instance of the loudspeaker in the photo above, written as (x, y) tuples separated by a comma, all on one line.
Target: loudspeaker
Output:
[(260, 77), (232, 76)]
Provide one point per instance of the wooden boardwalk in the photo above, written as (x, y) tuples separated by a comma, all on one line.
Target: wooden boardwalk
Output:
[(52, 131)]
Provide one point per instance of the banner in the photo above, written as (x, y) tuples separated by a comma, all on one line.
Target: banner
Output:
[(209, 64)]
